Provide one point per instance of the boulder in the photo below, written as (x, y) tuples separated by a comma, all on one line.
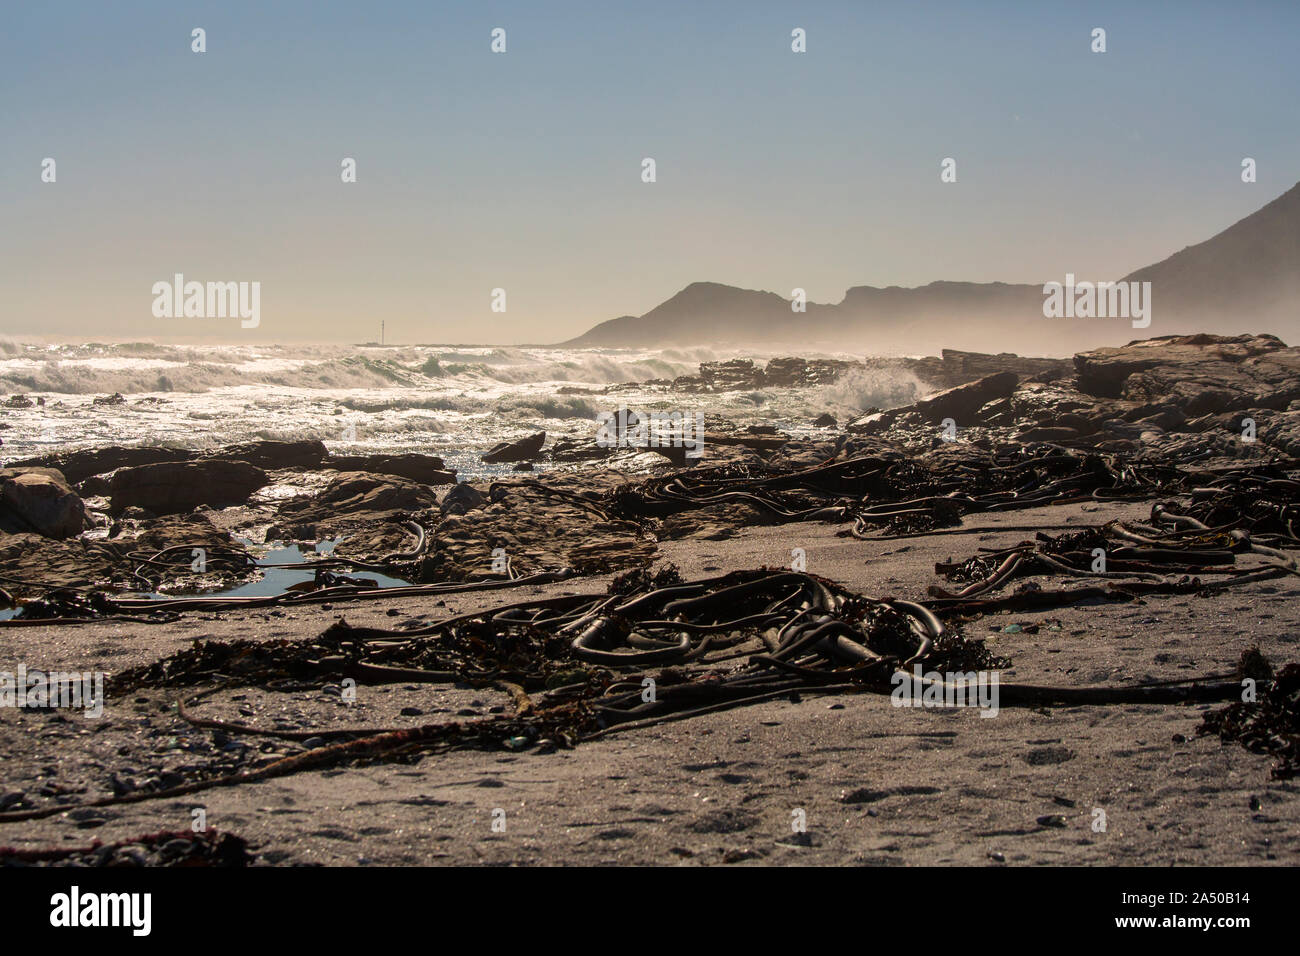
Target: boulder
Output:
[(426, 469), (825, 420), (462, 498), (39, 500), (1200, 374), (275, 454), (571, 450), (77, 466), (963, 402), (521, 449), (174, 487), (354, 491)]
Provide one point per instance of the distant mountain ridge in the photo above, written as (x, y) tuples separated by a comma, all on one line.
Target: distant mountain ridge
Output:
[(1244, 279)]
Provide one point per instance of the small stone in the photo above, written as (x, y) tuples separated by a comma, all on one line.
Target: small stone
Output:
[(175, 848), (1051, 820)]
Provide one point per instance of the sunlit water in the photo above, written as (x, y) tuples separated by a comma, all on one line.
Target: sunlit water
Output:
[(449, 401)]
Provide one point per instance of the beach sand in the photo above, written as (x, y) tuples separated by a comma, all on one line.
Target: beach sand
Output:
[(876, 784)]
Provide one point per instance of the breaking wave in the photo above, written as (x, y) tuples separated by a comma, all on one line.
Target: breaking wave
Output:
[(141, 368)]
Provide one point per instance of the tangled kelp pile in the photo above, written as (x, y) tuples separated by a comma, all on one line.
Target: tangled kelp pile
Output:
[(578, 667), (906, 494), (563, 527), (1269, 725), (1176, 552)]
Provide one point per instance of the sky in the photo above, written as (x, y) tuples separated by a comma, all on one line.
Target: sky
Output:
[(522, 170)]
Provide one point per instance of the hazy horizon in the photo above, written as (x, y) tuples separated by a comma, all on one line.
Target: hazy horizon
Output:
[(479, 170)]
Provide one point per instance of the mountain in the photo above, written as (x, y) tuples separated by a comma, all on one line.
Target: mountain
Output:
[(1244, 279), (1251, 268)]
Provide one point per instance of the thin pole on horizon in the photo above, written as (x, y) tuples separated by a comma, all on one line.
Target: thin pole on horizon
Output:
[(381, 331)]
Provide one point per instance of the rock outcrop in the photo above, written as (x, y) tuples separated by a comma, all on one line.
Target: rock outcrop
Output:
[(521, 449), (275, 454), (39, 500), (173, 487), (426, 469)]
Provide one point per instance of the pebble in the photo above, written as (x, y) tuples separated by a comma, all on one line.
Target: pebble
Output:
[(175, 848)]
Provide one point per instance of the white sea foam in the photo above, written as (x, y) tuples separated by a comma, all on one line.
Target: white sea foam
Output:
[(453, 401)]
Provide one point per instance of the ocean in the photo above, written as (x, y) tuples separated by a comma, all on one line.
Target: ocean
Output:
[(452, 401)]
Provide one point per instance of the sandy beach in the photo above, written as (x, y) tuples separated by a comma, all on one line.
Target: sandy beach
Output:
[(878, 784)]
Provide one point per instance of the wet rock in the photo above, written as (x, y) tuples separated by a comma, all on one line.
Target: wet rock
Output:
[(954, 367), (733, 374), (803, 373), (872, 423), (353, 491), (1048, 434), (996, 412), (39, 500), (172, 487), (574, 450), (426, 469), (963, 402), (77, 466), (1200, 374), (115, 399), (462, 498), (825, 420), (275, 454), (521, 449)]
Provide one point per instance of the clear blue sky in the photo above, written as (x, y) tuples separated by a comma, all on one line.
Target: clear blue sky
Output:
[(479, 170)]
